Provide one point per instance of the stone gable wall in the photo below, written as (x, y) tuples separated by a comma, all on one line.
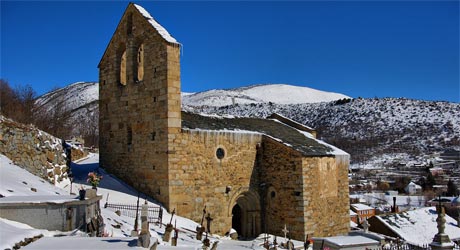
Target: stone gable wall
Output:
[(138, 119)]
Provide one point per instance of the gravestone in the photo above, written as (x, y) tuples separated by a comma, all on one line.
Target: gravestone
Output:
[(144, 236)]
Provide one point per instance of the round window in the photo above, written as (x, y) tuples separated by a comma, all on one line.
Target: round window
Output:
[(220, 153)]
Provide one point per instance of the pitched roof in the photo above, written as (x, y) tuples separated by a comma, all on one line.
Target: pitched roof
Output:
[(162, 31), (301, 141), (419, 226), (359, 207)]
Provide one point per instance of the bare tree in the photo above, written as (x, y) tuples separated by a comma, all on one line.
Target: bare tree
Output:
[(17, 103)]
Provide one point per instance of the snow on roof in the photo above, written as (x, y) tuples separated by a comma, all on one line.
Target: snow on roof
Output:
[(419, 226), (161, 30), (299, 140), (57, 199), (359, 206), (352, 213), (70, 243), (335, 150), (290, 120), (356, 240), (353, 224)]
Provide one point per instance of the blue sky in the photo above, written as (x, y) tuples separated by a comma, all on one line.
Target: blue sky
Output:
[(361, 49)]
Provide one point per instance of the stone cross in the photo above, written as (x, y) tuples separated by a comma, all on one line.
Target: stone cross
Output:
[(365, 225), (144, 218), (441, 240), (285, 231)]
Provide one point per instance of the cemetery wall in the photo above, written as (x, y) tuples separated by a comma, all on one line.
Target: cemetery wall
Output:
[(36, 151)]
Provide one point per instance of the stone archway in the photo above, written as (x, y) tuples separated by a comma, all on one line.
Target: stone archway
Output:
[(245, 212)]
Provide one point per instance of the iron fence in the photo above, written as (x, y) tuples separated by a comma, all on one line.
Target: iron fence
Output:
[(394, 246), (155, 213)]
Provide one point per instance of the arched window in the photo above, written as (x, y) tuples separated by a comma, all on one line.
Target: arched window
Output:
[(140, 63), (123, 78)]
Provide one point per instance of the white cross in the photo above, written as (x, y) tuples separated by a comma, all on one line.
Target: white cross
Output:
[(285, 231)]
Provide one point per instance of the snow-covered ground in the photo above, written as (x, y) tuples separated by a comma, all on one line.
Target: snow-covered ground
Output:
[(15, 181), (419, 226), (383, 201), (18, 182)]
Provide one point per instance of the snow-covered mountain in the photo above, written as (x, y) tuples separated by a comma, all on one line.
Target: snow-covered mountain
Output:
[(263, 93), (72, 97), (76, 105)]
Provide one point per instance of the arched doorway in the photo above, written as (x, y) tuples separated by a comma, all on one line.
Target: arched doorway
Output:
[(245, 211), (236, 218)]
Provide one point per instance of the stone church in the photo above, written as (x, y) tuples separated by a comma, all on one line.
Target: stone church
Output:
[(253, 175)]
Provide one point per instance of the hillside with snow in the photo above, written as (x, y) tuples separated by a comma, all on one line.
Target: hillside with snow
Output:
[(263, 93), (379, 129), (72, 97), (74, 108)]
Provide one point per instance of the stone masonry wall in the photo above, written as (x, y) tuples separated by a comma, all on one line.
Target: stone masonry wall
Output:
[(36, 151), (326, 195), (308, 194), (137, 119), (199, 178), (281, 171)]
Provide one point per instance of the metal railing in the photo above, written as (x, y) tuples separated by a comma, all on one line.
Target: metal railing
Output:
[(155, 214), (395, 246)]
